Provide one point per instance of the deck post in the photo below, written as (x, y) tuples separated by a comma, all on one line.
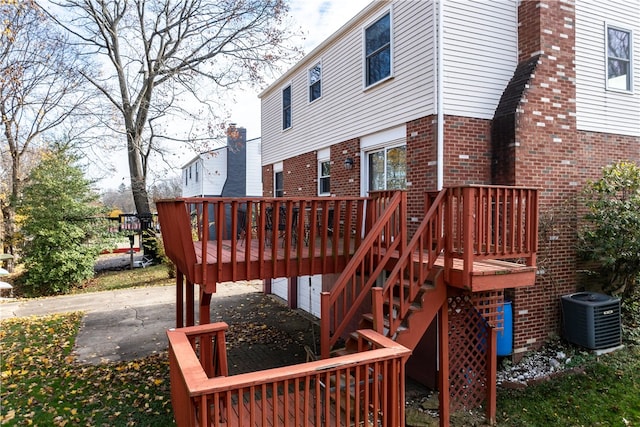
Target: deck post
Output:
[(492, 367), (468, 197), (325, 324), (378, 302), (443, 374), (190, 302), (179, 299), (205, 307)]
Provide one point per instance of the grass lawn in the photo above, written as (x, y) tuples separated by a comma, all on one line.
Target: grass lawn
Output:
[(605, 392), (43, 385)]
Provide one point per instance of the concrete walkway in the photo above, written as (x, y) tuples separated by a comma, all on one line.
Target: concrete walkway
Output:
[(119, 325)]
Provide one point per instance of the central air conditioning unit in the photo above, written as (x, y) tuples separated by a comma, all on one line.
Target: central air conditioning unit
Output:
[(592, 320)]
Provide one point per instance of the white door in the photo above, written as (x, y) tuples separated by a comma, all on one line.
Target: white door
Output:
[(309, 288), (279, 287)]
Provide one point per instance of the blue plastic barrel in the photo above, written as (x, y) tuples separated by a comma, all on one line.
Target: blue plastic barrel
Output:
[(505, 336)]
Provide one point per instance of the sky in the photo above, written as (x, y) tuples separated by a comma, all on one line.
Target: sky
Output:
[(318, 19)]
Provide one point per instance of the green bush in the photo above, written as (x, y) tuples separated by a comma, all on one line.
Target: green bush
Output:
[(61, 227), (610, 239)]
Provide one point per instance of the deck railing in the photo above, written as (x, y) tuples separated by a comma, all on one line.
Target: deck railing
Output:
[(383, 240), (491, 222), (365, 388), (411, 271), (263, 237)]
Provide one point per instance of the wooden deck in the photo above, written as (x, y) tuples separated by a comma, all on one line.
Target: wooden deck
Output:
[(248, 260), (474, 238)]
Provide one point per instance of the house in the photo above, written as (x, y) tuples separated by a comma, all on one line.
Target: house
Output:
[(489, 119), (421, 95), (225, 171)]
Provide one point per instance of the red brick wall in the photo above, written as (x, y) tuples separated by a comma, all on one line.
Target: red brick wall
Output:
[(301, 175), (422, 168), (345, 182), (267, 181), (546, 159), (467, 154)]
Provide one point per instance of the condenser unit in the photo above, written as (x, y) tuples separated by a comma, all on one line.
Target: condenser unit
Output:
[(591, 320)]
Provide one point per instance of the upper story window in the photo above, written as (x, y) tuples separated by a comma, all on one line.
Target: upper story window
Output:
[(278, 184), (618, 59), (197, 172), (378, 50), (186, 177), (286, 107), (324, 177), (315, 82)]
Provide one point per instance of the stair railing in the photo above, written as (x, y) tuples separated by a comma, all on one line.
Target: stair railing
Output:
[(385, 236), (412, 269)]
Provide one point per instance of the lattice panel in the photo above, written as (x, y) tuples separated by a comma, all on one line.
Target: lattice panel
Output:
[(487, 303), (468, 341)]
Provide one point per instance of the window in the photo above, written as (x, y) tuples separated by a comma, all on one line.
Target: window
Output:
[(286, 107), (197, 172), (278, 184), (315, 82), (324, 177), (378, 50), (186, 177), (388, 169), (618, 59)]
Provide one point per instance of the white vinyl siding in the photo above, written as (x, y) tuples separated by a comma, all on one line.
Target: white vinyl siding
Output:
[(599, 109), (212, 174), (480, 53), (254, 168), (345, 110)]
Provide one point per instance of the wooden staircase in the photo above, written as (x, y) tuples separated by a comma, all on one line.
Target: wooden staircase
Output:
[(500, 228)]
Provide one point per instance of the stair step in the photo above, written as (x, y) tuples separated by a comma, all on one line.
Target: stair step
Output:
[(385, 321)]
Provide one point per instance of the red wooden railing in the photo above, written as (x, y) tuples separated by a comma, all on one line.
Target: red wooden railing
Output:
[(259, 238), (383, 240), (365, 388), (412, 269), (490, 222)]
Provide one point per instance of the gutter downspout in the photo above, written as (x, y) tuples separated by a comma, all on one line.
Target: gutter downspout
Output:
[(439, 96)]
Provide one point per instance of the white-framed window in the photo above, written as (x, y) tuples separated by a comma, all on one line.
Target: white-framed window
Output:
[(197, 173), (315, 82), (186, 177), (324, 177), (387, 168), (377, 50), (278, 184), (286, 107), (619, 60)]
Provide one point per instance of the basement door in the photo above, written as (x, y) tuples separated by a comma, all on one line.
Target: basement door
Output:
[(309, 288)]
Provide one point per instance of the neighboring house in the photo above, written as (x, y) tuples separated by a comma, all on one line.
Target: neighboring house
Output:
[(421, 95), (225, 171)]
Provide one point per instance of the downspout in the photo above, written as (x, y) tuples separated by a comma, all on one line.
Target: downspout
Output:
[(439, 96)]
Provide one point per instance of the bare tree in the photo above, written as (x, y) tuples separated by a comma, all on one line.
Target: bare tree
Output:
[(40, 90), (165, 59)]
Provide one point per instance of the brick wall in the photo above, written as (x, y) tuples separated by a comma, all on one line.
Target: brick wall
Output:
[(301, 175), (467, 155), (345, 182), (267, 181), (546, 158), (422, 168)]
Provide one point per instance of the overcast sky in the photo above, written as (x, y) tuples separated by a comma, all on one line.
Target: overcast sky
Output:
[(318, 19)]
